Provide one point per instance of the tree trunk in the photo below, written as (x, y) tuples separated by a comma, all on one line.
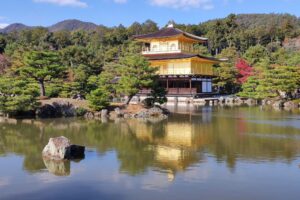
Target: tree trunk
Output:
[(42, 88), (129, 99)]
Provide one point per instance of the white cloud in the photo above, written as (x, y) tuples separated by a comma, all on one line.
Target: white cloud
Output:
[(75, 3), (204, 4), (3, 25)]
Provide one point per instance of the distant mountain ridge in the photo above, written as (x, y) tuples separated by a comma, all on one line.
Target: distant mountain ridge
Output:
[(15, 27), (72, 25), (248, 21), (68, 25)]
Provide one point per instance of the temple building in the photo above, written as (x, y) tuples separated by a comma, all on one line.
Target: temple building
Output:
[(183, 71)]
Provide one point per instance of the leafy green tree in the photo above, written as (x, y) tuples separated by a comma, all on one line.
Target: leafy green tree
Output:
[(202, 50), (227, 72), (42, 66), (103, 87), (149, 26), (283, 79), (99, 99), (249, 88), (61, 39), (293, 59), (157, 95), (135, 74), (272, 82), (17, 95), (135, 29), (231, 29), (79, 38), (255, 54), (216, 36), (127, 77), (2, 44), (116, 36)]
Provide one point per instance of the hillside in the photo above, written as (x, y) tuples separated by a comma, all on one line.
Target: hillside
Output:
[(252, 21), (68, 25), (262, 21), (292, 44), (72, 25), (14, 27)]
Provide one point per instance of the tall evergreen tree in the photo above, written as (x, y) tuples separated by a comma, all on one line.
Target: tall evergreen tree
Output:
[(42, 66)]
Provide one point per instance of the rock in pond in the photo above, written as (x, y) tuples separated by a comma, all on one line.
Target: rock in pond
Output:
[(290, 104), (60, 148), (104, 113), (152, 112)]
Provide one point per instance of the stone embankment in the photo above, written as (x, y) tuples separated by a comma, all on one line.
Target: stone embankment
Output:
[(237, 101), (130, 112), (275, 103), (54, 108)]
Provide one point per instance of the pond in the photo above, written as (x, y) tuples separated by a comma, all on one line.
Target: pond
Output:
[(197, 153)]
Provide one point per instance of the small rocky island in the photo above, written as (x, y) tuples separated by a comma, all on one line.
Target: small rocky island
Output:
[(78, 108), (60, 148)]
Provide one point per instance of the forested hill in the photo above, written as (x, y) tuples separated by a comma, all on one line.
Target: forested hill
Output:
[(240, 31), (15, 27), (253, 21), (66, 25), (72, 25), (247, 21)]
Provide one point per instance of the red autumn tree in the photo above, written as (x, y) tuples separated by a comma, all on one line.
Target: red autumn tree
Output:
[(244, 70)]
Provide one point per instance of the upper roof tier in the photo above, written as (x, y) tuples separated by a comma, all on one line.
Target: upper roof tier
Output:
[(169, 32)]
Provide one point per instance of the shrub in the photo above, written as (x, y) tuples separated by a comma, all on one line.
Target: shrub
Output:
[(17, 96), (80, 111), (99, 99)]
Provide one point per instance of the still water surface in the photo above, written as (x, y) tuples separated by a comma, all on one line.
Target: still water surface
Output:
[(198, 153)]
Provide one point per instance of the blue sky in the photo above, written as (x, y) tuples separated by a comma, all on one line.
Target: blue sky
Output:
[(115, 12)]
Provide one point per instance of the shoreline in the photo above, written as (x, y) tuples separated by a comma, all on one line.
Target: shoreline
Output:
[(70, 108)]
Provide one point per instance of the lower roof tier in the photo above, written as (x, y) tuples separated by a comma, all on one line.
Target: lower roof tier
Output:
[(181, 56)]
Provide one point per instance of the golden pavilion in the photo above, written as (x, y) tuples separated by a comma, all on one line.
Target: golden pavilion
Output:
[(183, 71)]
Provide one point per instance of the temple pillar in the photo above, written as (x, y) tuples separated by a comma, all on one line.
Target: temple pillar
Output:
[(191, 85)]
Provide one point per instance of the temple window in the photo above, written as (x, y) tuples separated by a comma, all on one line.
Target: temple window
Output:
[(163, 46), (173, 47), (154, 48)]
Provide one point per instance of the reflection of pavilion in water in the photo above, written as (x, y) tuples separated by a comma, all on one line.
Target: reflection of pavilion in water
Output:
[(175, 144)]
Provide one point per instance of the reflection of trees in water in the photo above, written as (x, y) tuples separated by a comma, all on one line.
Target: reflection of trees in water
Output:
[(171, 145)]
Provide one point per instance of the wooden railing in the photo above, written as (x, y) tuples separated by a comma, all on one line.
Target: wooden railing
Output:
[(176, 91), (182, 91)]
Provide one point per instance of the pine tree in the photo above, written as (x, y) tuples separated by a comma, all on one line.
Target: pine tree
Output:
[(17, 95), (135, 74), (42, 66)]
